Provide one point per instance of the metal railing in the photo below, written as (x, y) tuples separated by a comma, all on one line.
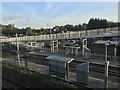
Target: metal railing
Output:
[(71, 34)]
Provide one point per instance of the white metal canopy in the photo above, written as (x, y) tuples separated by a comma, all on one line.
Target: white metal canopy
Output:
[(104, 42), (59, 58)]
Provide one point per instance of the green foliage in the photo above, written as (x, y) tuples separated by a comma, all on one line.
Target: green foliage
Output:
[(69, 27), (79, 27), (97, 23), (8, 27), (57, 29), (94, 23), (112, 24), (29, 31)]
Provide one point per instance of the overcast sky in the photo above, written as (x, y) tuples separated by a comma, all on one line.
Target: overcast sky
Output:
[(44, 14)]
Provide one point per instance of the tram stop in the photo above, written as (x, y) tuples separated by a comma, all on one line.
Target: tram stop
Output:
[(59, 65), (82, 73)]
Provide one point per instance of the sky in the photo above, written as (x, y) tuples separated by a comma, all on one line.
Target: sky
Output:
[(48, 14)]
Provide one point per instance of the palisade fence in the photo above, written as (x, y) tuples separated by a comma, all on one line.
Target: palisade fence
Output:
[(69, 34), (94, 81)]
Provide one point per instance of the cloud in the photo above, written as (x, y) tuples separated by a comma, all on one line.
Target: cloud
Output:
[(73, 18), (109, 14), (79, 17), (12, 17), (53, 15)]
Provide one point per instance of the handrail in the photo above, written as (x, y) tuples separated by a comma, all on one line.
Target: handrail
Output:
[(71, 34)]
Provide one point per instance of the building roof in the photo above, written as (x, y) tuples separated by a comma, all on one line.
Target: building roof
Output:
[(59, 58)]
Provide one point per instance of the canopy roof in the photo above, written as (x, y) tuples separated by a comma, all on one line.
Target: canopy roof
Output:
[(104, 42), (59, 58)]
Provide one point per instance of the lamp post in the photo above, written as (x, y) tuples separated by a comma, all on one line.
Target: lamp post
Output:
[(84, 44), (106, 44), (50, 29), (18, 49), (63, 34), (115, 52), (106, 65), (65, 31)]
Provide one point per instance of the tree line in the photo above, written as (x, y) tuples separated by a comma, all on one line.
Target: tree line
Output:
[(94, 23)]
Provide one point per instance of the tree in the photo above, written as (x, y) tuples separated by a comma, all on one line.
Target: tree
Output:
[(29, 31), (90, 24), (69, 27), (97, 23), (112, 24), (62, 29), (84, 25), (56, 28), (78, 27), (103, 23)]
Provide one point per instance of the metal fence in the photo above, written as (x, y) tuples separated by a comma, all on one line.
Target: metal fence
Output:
[(95, 80)]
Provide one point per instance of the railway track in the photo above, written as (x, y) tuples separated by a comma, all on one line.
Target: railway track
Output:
[(99, 68), (8, 84), (111, 72)]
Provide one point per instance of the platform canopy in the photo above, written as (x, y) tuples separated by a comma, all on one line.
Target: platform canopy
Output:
[(58, 58), (104, 42)]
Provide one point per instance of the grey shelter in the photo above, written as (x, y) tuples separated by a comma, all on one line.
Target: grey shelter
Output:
[(82, 74), (59, 65)]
